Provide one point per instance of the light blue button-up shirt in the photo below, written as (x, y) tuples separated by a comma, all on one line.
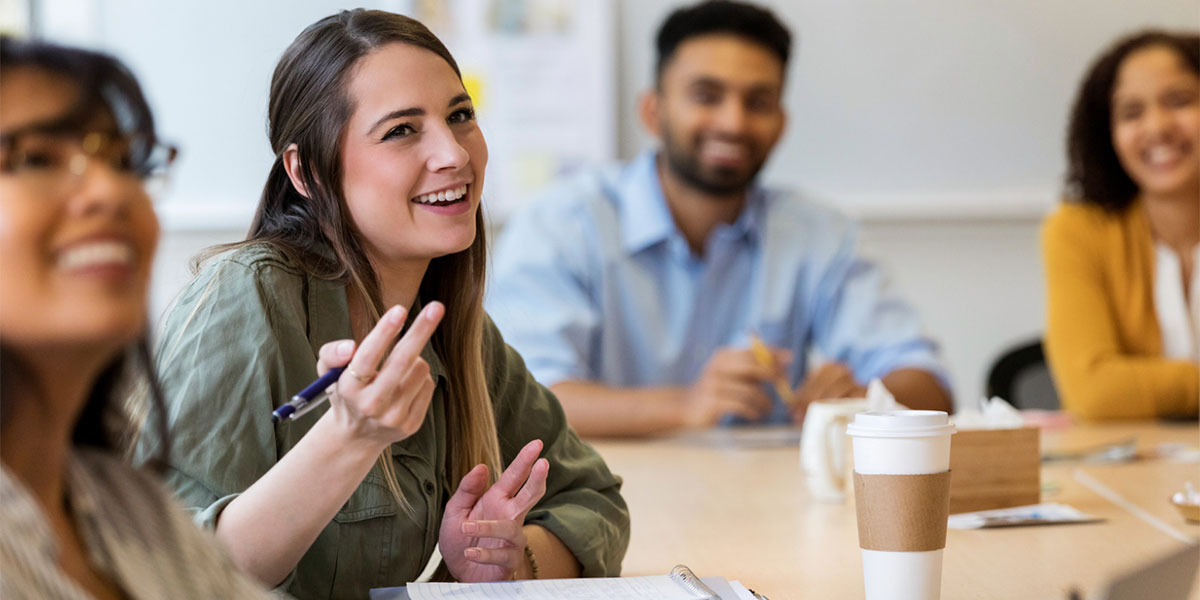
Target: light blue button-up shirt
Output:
[(593, 281)]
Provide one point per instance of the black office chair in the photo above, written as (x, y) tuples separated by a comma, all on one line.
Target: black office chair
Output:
[(1022, 377)]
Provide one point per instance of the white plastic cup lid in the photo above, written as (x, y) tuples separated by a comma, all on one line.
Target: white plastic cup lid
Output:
[(901, 423)]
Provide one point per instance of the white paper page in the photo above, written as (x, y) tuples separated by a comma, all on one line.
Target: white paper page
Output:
[(740, 591), (1034, 514), (659, 587), (721, 587)]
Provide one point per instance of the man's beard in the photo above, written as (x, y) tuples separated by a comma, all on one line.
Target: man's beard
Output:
[(717, 181)]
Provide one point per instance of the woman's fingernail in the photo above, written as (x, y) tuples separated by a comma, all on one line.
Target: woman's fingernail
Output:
[(470, 527), (344, 348), (395, 315), (434, 309), (472, 553)]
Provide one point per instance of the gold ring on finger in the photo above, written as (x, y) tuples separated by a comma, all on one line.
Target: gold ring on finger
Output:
[(364, 379)]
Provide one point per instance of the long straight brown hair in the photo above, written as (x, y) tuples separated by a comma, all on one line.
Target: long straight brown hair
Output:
[(309, 106)]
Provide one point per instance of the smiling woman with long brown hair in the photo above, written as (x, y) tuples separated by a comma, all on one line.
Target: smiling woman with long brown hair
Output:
[(369, 228)]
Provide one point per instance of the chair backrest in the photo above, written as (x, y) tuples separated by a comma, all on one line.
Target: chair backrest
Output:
[(1020, 376)]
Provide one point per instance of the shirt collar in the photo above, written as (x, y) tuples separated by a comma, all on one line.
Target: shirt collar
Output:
[(646, 220)]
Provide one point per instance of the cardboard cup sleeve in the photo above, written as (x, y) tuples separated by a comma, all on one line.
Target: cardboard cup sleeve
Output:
[(902, 513)]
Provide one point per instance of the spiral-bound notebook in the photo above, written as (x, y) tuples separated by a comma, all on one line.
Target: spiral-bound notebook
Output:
[(679, 584)]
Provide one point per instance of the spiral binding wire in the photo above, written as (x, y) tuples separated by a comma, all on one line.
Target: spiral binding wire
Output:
[(684, 576)]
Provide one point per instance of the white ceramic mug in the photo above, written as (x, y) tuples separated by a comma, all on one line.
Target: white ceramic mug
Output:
[(823, 446)]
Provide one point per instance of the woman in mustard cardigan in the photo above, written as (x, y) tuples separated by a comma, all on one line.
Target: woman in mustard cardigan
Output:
[(1121, 258)]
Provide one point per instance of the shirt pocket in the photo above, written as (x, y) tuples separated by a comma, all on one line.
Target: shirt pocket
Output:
[(364, 556), (372, 499)]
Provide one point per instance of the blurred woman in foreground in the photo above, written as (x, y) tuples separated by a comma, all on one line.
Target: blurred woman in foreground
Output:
[(1121, 254), (77, 238)]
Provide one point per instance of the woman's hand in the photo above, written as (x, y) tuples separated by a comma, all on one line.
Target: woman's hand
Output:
[(389, 405), (482, 536)]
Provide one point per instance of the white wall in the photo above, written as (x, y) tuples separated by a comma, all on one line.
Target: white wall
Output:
[(940, 122), (923, 107)]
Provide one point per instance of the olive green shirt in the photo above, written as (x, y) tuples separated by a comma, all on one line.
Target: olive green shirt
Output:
[(244, 337)]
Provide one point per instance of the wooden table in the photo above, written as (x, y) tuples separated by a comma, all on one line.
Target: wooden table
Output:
[(734, 504)]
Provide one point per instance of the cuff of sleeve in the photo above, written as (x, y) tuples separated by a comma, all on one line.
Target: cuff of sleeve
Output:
[(1182, 399), (207, 517), (929, 365), (591, 543)]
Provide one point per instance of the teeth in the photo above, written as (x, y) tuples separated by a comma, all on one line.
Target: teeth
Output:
[(720, 149), (1159, 155), (442, 196), (96, 254)]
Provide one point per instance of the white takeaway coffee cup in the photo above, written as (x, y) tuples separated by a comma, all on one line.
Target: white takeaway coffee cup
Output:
[(901, 486)]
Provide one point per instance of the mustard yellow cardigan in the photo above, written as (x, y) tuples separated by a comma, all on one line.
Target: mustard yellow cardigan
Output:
[(1103, 342)]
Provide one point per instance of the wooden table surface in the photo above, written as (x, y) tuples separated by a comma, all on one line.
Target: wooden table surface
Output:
[(733, 504)]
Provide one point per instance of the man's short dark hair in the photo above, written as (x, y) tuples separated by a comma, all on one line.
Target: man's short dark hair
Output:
[(753, 23)]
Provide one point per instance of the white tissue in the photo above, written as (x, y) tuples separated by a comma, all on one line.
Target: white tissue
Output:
[(988, 414), (879, 398), (1189, 496)]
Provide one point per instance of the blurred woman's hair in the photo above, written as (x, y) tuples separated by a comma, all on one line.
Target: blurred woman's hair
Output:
[(105, 90), (310, 106), (1094, 173)]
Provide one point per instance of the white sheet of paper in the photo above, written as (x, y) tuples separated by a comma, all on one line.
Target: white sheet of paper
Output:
[(740, 591), (1034, 514), (659, 587)]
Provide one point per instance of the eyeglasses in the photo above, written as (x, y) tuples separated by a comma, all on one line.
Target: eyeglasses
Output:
[(55, 163)]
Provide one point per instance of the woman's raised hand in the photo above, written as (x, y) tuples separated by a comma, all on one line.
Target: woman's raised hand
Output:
[(389, 405), (482, 536)]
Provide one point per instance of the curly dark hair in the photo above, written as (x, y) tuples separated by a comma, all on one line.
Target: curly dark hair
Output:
[(1094, 174), (753, 23)]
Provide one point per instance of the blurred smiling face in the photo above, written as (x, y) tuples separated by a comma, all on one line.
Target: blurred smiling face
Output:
[(413, 156), (1156, 122), (77, 236), (718, 111)]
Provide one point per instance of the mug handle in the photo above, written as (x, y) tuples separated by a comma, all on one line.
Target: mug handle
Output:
[(835, 454)]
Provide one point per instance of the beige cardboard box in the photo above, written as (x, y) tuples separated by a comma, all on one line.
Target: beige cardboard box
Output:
[(994, 468)]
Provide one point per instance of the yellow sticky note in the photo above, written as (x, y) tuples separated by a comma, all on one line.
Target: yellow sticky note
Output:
[(473, 82)]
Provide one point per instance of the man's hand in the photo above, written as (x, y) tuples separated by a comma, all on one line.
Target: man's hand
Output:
[(832, 380), (731, 382)]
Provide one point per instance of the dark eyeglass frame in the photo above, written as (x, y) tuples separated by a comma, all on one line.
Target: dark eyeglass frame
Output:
[(156, 157)]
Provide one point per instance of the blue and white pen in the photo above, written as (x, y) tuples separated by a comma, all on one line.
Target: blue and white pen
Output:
[(308, 398)]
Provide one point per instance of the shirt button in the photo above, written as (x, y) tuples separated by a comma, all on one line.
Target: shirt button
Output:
[(429, 487)]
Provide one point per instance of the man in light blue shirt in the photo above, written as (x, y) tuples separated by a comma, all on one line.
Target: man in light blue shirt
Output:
[(633, 292)]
